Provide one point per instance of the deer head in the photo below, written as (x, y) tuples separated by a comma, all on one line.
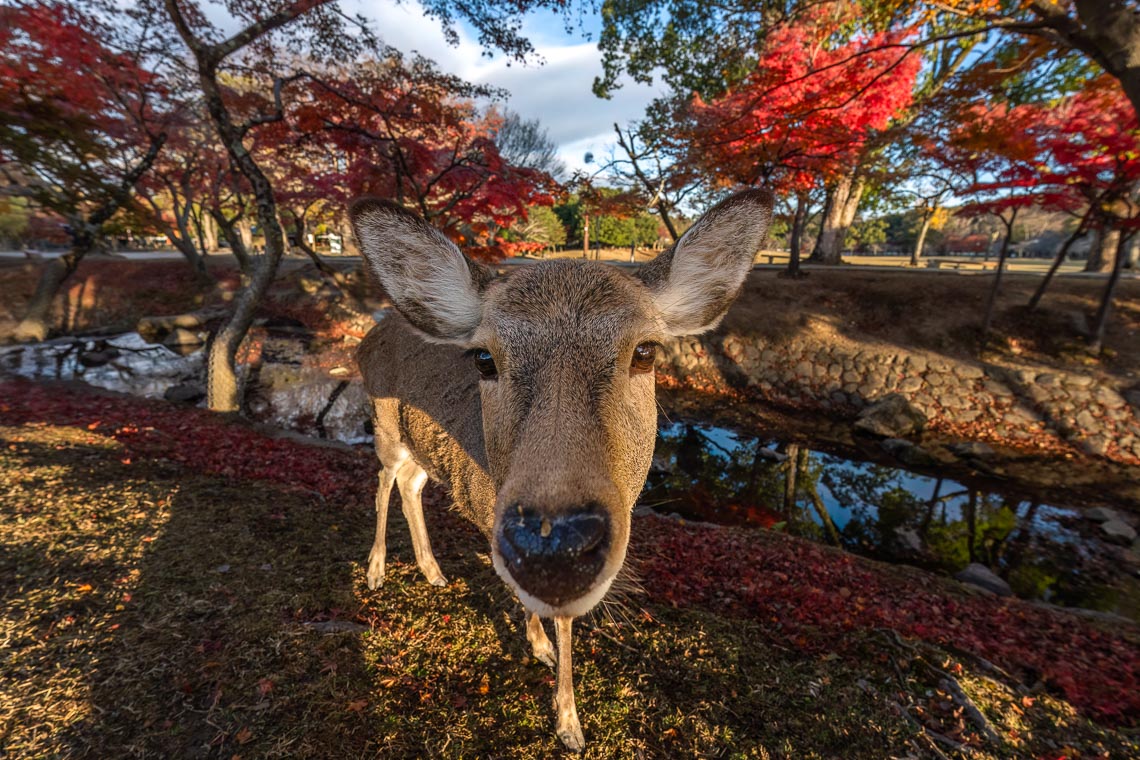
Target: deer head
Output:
[(564, 351)]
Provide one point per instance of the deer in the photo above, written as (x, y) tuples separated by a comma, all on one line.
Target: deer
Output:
[(531, 397)]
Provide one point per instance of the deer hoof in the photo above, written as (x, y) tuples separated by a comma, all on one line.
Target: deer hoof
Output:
[(436, 579), (571, 736), (375, 573), (544, 654)]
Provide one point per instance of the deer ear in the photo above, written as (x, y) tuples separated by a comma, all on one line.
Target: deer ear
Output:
[(695, 281), (437, 288)]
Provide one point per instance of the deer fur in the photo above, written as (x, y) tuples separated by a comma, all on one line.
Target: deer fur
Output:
[(548, 455)]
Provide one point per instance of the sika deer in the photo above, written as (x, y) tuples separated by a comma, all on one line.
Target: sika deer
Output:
[(531, 396)]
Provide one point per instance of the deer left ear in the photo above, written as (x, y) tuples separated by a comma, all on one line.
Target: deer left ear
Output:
[(436, 287), (695, 281)]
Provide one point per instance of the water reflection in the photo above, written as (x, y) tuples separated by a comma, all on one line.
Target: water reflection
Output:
[(125, 363), (1044, 551)]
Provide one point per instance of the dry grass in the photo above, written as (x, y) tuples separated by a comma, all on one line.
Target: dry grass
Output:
[(153, 611)]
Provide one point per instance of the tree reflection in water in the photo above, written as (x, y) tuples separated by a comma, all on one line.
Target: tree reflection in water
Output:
[(716, 475)]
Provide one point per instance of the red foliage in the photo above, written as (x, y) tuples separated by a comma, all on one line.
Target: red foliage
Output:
[(807, 110), (197, 439), (409, 133), (73, 111), (1066, 156), (812, 596)]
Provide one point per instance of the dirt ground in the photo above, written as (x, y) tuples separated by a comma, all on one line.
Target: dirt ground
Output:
[(167, 595), (914, 309)]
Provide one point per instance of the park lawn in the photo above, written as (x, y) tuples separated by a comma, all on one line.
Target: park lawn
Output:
[(165, 595)]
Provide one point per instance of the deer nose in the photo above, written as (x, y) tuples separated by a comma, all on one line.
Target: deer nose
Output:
[(555, 558)]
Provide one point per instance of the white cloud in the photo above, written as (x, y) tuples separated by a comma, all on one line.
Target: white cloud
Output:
[(557, 92)]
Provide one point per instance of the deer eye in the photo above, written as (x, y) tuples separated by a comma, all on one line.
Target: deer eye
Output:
[(643, 356), (485, 363)]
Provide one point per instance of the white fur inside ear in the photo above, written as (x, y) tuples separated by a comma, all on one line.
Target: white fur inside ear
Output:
[(424, 273), (709, 266)]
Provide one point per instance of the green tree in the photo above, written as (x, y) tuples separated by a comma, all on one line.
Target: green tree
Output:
[(544, 226)]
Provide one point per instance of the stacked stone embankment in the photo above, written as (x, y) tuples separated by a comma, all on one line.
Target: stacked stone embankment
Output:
[(1006, 403)]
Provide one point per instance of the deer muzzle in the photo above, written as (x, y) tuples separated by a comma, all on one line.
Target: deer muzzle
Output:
[(555, 558)]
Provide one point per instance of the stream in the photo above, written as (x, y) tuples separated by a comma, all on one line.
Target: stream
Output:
[(1051, 552)]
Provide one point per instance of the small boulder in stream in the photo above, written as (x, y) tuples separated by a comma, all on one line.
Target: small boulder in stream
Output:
[(892, 416), (185, 393), (910, 454), (1118, 531), (982, 577), (183, 341)]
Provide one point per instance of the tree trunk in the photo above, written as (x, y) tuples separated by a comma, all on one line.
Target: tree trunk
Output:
[(991, 302), (1102, 254), (838, 215), (799, 221), (1111, 37), (36, 323), (793, 452), (927, 218), (585, 235), (972, 525), (228, 228), (245, 229), (1101, 321), (322, 266), (209, 233), (1058, 260)]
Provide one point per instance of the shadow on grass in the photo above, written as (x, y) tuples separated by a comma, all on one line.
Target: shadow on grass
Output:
[(153, 611)]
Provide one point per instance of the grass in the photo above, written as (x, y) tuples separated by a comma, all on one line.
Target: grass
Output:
[(154, 610)]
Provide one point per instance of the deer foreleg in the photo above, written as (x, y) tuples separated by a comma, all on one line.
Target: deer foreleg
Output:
[(539, 643), (411, 480), (568, 728), (376, 557)]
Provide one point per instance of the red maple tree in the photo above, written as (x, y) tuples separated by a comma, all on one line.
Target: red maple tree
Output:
[(806, 111)]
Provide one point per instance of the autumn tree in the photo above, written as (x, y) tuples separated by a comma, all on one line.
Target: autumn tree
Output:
[(405, 130), (802, 115), (81, 122), (327, 34)]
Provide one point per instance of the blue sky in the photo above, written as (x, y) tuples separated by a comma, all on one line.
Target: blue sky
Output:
[(557, 91)]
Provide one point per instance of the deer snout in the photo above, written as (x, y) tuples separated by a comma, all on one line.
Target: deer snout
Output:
[(555, 557)]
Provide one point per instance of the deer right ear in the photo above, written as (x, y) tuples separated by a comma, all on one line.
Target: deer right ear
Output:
[(436, 287), (695, 281)]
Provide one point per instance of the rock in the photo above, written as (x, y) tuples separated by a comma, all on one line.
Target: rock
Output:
[(910, 384), (892, 416), (1086, 420), (1078, 381), (1048, 380), (982, 577), (1109, 398), (1097, 445), (995, 388), (972, 450), (185, 393), (908, 453), (1118, 531), (1101, 514), (1133, 397), (916, 363), (970, 372), (100, 356), (183, 341), (908, 538)]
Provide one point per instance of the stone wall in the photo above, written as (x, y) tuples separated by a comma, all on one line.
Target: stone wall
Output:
[(1007, 404)]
